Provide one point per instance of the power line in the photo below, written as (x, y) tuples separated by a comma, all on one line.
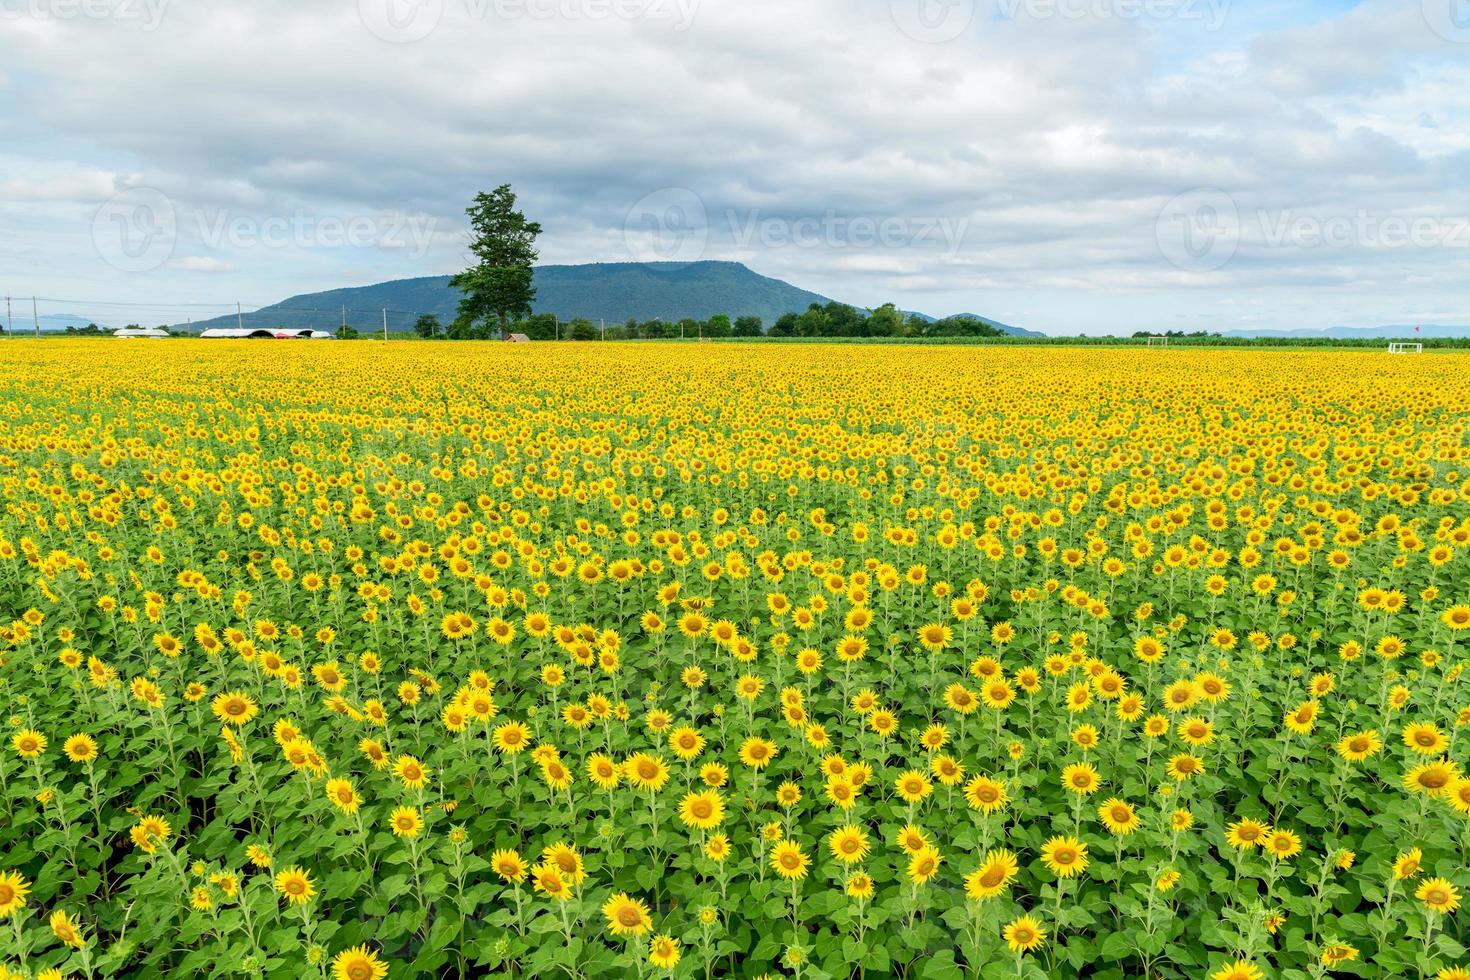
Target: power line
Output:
[(224, 308)]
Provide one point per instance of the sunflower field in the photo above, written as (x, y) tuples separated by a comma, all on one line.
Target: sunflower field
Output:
[(402, 660)]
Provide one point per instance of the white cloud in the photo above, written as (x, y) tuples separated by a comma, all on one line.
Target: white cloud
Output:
[(200, 263), (1054, 140)]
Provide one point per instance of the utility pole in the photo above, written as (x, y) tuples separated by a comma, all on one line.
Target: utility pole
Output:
[(557, 328), (239, 317), (344, 319), (385, 326), (36, 317), (604, 328), (9, 323)]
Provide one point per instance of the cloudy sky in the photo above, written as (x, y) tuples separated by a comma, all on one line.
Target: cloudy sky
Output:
[(1067, 165)]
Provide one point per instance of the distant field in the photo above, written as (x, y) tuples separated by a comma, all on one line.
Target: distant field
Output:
[(611, 660)]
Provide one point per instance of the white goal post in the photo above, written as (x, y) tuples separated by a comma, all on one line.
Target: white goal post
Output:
[(1158, 341), (1406, 348)]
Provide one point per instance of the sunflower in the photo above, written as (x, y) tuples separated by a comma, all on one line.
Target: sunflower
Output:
[(757, 753), (663, 952), (913, 786), (296, 885), (1080, 778), (149, 833), (960, 699), (566, 859), (13, 891), (646, 772), (1065, 857), (511, 738), (1424, 738), (1196, 731), (985, 794), (66, 930), (702, 811), (1085, 737), (848, 844), (1238, 970), (509, 866), (557, 776), (1148, 649), (789, 861), (686, 742), (1243, 835), (884, 722), (1118, 816), (626, 916), (406, 821), (1432, 778), (358, 963), (1438, 895), (1282, 844), (1180, 695), (1183, 766), (549, 881), (1303, 718), (1024, 935), (995, 874), (81, 748), (924, 865), (28, 743), (935, 636), (342, 795), (1406, 865), (1359, 746), (410, 771), (1458, 796), (717, 848), (233, 708), (912, 839), (1336, 953)]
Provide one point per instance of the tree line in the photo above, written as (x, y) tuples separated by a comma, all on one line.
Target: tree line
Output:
[(818, 320)]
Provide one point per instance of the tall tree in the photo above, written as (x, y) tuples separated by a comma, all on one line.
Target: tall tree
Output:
[(498, 288), (886, 321)]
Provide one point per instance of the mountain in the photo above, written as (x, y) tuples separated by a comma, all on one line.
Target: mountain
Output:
[(611, 291), (1391, 332), (1004, 327), (50, 323)]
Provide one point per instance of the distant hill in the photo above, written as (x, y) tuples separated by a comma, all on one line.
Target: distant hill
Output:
[(1004, 327), (611, 291), (614, 292), (50, 322), (1391, 332)]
